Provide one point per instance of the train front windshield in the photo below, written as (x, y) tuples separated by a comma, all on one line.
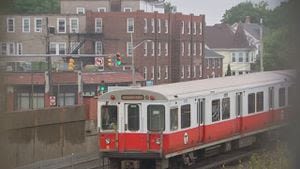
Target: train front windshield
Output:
[(109, 117)]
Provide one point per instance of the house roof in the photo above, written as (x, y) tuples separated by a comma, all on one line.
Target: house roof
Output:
[(221, 36), (212, 54)]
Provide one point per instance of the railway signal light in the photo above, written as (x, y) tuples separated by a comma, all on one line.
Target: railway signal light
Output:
[(71, 64), (109, 61), (101, 88), (119, 59)]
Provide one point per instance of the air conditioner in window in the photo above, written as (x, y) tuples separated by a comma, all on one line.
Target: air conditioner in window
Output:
[(98, 30), (74, 31)]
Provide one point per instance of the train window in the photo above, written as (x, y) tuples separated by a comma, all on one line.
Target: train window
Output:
[(200, 110), (290, 95), (271, 97), (225, 108), (174, 119), (281, 97), (239, 103), (215, 108), (156, 117), (251, 103), (109, 117), (133, 111), (259, 101), (185, 116)]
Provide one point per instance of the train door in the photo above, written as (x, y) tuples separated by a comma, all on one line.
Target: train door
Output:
[(200, 118), (238, 111), (132, 138)]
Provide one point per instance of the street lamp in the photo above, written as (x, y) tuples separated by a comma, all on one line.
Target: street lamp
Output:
[(132, 57)]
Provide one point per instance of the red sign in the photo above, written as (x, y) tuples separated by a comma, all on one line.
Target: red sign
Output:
[(99, 61), (52, 100)]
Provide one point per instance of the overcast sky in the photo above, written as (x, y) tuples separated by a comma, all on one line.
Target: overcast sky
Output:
[(212, 9)]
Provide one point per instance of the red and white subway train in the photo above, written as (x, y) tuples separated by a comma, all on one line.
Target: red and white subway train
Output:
[(174, 123)]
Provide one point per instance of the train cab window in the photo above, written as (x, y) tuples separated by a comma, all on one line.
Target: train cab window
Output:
[(156, 117), (281, 97), (133, 117), (109, 117), (259, 101), (225, 108), (215, 109), (271, 97), (251, 103), (239, 103), (174, 119), (200, 110), (185, 116)]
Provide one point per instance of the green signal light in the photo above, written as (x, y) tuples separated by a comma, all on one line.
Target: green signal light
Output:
[(102, 88), (118, 62)]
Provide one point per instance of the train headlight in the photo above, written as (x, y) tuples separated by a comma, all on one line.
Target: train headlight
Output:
[(107, 140), (157, 141)]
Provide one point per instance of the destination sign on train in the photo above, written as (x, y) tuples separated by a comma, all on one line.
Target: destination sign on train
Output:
[(132, 97)]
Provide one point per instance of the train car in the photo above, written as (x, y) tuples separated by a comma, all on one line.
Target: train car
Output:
[(167, 126)]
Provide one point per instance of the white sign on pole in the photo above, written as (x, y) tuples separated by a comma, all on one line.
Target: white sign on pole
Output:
[(99, 61), (52, 100)]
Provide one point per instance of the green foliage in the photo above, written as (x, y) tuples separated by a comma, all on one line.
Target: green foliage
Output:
[(228, 72), (169, 8), (30, 6)]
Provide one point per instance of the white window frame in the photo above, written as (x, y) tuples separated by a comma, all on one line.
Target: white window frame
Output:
[(182, 71), (153, 49), (152, 72), (194, 71), (145, 73), (145, 48), (145, 25), (10, 48), (188, 67), (182, 48), (129, 49), (80, 10), (98, 47), (8, 26), (159, 73), (166, 49), (101, 9), (189, 27), (3, 48), (195, 28), (159, 25), (57, 47), (98, 25), (38, 29), (19, 49), (194, 49), (153, 25), (65, 26), (189, 49), (200, 28), (182, 27), (76, 29), (200, 70), (23, 24), (200, 49), (167, 26), (166, 71), (130, 23), (159, 49), (127, 9)]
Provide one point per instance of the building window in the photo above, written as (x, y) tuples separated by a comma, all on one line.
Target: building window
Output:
[(19, 49), (152, 25), (174, 119), (200, 28), (26, 24), (182, 72), (195, 49), (182, 27), (159, 49), (98, 47), (130, 25), (225, 108), (194, 71), (145, 25), (38, 24), (182, 48), (73, 48), (11, 48), (166, 49), (152, 72), (101, 9), (189, 28), (233, 57), (3, 48), (129, 48), (188, 67), (153, 49), (189, 49), (98, 25), (145, 73), (167, 26), (159, 25), (185, 116), (80, 10), (200, 70), (159, 73), (10, 24), (166, 71), (57, 48), (215, 110), (66, 99), (200, 49), (61, 25), (127, 9), (241, 57), (247, 57), (207, 63), (195, 28), (74, 25), (145, 48), (28, 101), (259, 101)]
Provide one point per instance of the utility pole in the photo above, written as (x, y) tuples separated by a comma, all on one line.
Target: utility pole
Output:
[(261, 46), (49, 62)]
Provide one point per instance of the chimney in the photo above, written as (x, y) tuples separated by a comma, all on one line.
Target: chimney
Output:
[(247, 20)]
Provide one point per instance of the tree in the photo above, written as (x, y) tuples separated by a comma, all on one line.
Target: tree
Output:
[(228, 72), (169, 8)]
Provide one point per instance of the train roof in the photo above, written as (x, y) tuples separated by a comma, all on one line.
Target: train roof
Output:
[(216, 85)]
